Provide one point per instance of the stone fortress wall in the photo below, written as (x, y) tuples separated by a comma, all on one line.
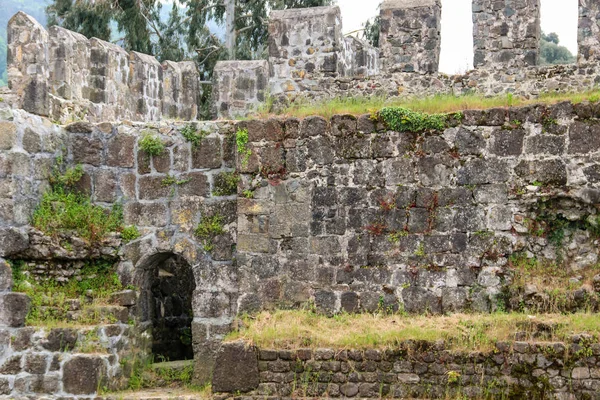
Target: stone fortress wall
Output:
[(61, 74), (506, 37)]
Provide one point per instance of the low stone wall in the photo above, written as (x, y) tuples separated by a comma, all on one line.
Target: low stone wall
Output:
[(526, 82), (415, 369), (73, 363)]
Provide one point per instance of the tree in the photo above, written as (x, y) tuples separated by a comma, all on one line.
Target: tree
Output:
[(552, 53), (3, 77)]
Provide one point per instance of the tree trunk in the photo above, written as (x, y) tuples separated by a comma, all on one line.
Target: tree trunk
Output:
[(230, 28)]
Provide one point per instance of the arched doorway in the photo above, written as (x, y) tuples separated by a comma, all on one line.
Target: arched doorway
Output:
[(166, 282)]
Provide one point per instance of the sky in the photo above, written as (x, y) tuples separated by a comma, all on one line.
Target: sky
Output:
[(558, 16)]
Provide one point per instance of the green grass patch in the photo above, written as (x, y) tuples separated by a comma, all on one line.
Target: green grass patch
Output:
[(401, 119), (51, 299), (63, 209), (68, 212), (438, 104), (464, 332)]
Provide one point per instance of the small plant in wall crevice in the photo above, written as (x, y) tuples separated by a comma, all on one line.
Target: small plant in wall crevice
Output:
[(151, 144), (208, 228), (241, 141)]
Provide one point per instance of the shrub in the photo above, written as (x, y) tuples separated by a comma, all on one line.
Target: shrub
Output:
[(151, 144)]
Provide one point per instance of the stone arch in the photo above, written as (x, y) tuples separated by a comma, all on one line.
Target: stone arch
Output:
[(166, 285)]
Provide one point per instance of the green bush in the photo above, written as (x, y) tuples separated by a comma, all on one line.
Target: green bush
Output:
[(151, 144)]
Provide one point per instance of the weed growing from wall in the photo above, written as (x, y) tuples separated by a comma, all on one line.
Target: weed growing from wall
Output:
[(208, 228), (241, 141), (226, 184), (401, 119), (130, 233), (62, 209), (192, 135), (151, 144), (51, 300)]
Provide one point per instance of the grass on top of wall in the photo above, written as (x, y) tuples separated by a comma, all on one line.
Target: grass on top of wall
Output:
[(444, 103), (468, 332)]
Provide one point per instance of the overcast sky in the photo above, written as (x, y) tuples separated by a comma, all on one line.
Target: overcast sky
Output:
[(558, 16)]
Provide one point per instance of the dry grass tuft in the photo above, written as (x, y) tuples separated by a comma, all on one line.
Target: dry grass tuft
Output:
[(446, 103), (467, 332)]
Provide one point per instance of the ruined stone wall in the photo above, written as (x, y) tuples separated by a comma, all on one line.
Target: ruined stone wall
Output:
[(410, 37), (307, 44), (528, 83), (165, 196), (67, 362), (352, 216), (506, 34), (588, 33), (63, 75), (417, 369)]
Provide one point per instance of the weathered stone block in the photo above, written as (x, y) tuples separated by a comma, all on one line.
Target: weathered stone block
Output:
[(152, 187), (8, 135), (549, 172), (87, 150), (82, 375), (105, 186), (120, 151), (141, 214), (207, 154), (13, 309), (196, 184), (236, 368)]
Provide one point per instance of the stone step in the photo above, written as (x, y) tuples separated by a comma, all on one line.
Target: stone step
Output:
[(158, 394), (178, 366)]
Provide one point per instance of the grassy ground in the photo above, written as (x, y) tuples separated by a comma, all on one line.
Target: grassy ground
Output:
[(431, 105), (298, 329)]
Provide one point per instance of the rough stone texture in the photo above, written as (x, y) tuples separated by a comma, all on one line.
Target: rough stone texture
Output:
[(421, 369), (166, 215), (506, 33), (239, 87), (306, 44), (51, 363), (410, 39), (236, 368), (374, 219), (27, 63), (62, 74), (13, 309), (588, 33)]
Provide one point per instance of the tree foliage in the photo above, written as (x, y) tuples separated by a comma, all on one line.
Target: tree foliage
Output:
[(551, 52)]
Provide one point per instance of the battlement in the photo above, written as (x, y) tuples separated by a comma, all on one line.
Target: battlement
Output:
[(63, 75)]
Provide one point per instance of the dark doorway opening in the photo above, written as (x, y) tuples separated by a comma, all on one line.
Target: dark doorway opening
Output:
[(168, 287)]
